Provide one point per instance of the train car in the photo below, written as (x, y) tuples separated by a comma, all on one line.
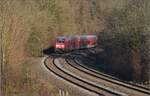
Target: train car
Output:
[(68, 43)]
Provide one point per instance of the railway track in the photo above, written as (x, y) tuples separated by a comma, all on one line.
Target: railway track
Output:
[(76, 60), (134, 88), (73, 62), (145, 89), (57, 69)]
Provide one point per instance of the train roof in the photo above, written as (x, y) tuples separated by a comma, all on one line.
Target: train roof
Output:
[(90, 36), (82, 36)]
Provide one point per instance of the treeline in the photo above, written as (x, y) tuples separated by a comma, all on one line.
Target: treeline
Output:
[(126, 41)]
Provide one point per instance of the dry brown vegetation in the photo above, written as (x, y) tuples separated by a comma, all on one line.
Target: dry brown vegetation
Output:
[(128, 29), (29, 26)]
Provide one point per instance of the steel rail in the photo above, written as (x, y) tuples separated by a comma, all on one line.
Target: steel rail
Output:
[(78, 79)]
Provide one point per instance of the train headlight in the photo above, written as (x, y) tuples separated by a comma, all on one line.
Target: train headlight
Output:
[(62, 46), (57, 46)]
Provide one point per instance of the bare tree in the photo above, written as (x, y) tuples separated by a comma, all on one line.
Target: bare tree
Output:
[(12, 39)]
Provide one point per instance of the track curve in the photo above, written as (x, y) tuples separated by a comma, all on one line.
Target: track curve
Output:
[(53, 67), (144, 91)]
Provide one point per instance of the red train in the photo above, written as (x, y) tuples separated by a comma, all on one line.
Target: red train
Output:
[(68, 43)]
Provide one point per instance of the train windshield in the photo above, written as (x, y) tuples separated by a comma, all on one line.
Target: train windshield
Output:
[(60, 40)]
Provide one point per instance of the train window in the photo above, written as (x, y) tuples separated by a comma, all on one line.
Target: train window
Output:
[(63, 40), (60, 41)]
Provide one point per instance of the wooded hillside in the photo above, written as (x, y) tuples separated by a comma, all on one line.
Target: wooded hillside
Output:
[(27, 27)]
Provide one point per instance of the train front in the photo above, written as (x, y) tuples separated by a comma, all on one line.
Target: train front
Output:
[(60, 44)]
